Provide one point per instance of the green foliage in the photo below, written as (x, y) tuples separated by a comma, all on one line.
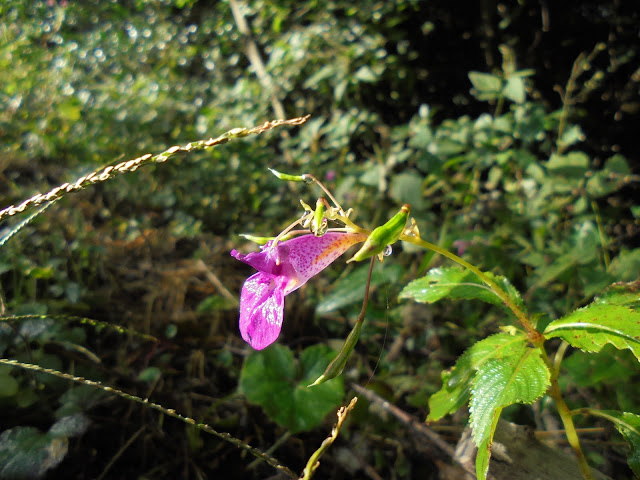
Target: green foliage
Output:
[(628, 424), (456, 283), (613, 318), (524, 173), (350, 288), (274, 380), (25, 452), (457, 384), (499, 383)]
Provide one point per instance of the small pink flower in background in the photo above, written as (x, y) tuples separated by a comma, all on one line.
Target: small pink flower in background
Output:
[(461, 246), (331, 175), (281, 270)]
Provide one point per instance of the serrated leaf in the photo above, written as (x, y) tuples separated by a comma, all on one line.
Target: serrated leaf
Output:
[(621, 294), (456, 386), (592, 327), (350, 289), (484, 449), (628, 424), (501, 382), (459, 284), (272, 379), (448, 400)]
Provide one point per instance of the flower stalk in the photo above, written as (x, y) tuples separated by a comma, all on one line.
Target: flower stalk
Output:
[(535, 337)]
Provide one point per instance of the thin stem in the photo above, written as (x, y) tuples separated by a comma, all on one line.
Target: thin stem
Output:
[(570, 429), (557, 359), (313, 462), (129, 166), (285, 231), (145, 402), (603, 235), (312, 179), (534, 336), (366, 292)]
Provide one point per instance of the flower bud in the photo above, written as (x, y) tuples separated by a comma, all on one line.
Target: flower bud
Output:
[(337, 364), (383, 235), (287, 177)]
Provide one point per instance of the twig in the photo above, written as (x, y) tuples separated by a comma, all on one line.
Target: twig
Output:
[(132, 165), (215, 281), (253, 54), (413, 423), (119, 453), (313, 462)]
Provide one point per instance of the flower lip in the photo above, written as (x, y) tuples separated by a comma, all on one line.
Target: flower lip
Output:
[(282, 269)]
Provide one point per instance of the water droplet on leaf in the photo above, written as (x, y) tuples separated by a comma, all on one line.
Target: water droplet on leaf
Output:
[(388, 250)]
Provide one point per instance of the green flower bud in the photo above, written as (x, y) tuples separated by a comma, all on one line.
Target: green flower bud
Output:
[(319, 223), (287, 177), (337, 364), (383, 235)]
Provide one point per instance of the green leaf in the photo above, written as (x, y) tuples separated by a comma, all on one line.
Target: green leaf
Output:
[(9, 386), (272, 379), (573, 165), (514, 90), (79, 399), (610, 367), (456, 386), (407, 188), (448, 399), (571, 135), (621, 294), (149, 374), (457, 283), (592, 327), (628, 424), (521, 378), (484, 448), (488, 87), (350, 289), (70, 426), (214, 303), (27, 453)]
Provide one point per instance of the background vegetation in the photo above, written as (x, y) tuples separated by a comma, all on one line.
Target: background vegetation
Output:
[(509, 127)]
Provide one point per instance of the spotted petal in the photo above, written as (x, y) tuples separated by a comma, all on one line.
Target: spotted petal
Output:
[(309, 255), (262, 309)]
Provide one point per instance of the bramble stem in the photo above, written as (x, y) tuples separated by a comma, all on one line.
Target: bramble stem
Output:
[(534, 336)]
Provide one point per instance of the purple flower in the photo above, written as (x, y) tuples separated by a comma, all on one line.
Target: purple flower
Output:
[(281, 270)]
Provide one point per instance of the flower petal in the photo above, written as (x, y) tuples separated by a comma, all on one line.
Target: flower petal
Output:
[(263, 261), (308, 255), (262, 309)]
